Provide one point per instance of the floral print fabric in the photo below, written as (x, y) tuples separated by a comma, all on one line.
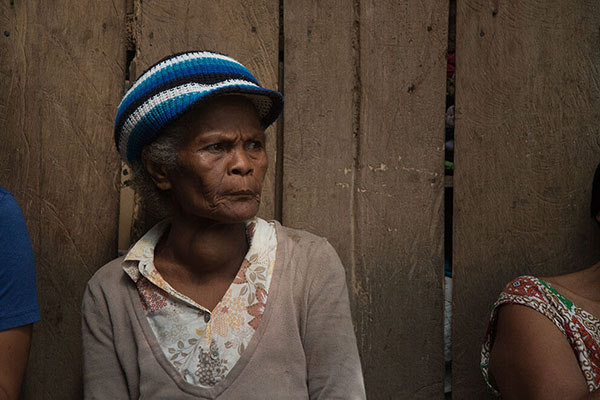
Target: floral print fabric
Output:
[(581, 328), (201, 345)]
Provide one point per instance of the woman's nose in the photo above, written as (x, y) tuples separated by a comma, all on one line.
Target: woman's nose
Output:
[(241, 164)]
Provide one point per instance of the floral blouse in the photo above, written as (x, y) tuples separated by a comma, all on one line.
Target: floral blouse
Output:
[(581, 328), (203, 345)]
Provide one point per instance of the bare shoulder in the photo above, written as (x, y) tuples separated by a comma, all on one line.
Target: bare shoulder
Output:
[(522, 366)]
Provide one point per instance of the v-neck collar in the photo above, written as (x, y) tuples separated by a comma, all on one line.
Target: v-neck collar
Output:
[(220, 387)]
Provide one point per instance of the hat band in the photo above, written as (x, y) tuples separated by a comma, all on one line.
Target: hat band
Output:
[(197, 56), (182, 70), (157, 111)]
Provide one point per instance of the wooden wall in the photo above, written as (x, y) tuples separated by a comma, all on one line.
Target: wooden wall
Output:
[(62, 73), (357, 156), (363, 166)]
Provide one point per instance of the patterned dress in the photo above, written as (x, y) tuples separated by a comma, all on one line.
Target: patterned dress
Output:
[(581, 328), (204, 345)]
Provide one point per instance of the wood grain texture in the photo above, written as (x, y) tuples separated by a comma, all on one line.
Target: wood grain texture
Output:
[(363, 166), (528, 106), (319, 140), (320, 121), (398, 274), (62, 71), (246, 30)]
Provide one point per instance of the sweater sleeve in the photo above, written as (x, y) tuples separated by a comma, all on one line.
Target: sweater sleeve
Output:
[(103, 376), (333, 364)]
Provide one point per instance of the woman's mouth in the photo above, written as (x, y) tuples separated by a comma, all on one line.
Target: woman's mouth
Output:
[(243, 193)]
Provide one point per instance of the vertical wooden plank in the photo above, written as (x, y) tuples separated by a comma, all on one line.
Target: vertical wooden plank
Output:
[(320, 122), (400, 197), (528, 106), (319, 144), (363, 133), (21, 143), (247, 31), (62, 72)]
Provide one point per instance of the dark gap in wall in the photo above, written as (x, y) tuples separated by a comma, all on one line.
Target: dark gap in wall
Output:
[(130, 56), (279, 138), (130, 43), (449, 194), (449, 122), (129, 73), (356, 121)]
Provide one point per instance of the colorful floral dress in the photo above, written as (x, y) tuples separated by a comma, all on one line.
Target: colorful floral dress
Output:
[(581, 328), (203, 345)]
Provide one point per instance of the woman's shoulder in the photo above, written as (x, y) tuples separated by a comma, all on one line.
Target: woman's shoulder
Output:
[(299, 243), (308, 252), (534, 293), (297, 236), (105, 289), (531, 315), (527, 292), (523, 286), (109, 276), (524, 297)]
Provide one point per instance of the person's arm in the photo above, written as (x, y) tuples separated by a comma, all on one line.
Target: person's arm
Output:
[(18, 296), (531, 359), (14, 353), (334, 370), (103, 376)]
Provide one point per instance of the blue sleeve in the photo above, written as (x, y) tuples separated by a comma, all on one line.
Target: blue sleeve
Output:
[(18, 295)]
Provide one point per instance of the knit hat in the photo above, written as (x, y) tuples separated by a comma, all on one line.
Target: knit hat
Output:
[(176, 83)]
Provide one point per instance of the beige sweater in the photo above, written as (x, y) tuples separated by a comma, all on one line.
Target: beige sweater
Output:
[(304, 347)]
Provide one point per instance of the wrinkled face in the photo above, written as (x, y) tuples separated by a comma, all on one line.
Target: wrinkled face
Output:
[(222, 163)]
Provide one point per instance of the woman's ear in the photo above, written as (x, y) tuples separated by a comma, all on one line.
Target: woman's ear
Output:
[(157, 172)]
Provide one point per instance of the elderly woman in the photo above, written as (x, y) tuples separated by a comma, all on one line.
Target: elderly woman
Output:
[(543, 340), (213, 302)]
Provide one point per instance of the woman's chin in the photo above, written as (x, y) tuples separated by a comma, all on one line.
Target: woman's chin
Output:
[(226, 212), (239, 212)]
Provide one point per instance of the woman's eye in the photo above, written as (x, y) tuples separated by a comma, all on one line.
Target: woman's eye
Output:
[(255, 144), (214, 147)]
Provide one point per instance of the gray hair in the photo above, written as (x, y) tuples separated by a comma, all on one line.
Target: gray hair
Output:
[(163, 152)]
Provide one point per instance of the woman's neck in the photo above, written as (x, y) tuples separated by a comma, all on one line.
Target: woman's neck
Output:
[(580, 287), (200, 249)]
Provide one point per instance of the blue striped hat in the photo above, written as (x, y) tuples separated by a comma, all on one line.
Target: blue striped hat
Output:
[(173, 85)]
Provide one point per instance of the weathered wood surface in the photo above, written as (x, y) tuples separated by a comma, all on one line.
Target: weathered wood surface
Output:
[(400, 197), (363, 166), (320, 81), (362, 155), (528, 106), (247, 31), (60, 77)]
